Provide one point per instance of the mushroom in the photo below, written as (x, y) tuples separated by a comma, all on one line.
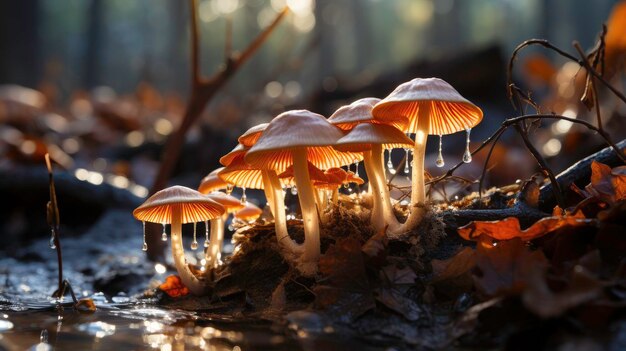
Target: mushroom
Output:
[(315, 174), (433, 107), (216, 241), (336, 177), (249, 213), (371, 139), (250, 137), (295, 137), (178, 205), (212, 182), (242, 174)]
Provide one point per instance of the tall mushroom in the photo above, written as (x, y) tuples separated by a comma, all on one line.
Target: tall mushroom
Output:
[(433, 107), (295, 137), (371, 139), (178, 205)]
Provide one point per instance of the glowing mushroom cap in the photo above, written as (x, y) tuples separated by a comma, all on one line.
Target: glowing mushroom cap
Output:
[(316, 175), (241, 174), (360, 111), (195, 207), (250, 137), (449, 111), (229, 202), (212, 182), (237, 151), (336, 177), (299, 129), (249, 213), (362, 136)]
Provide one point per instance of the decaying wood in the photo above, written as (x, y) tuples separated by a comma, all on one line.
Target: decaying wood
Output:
[(580, 172)]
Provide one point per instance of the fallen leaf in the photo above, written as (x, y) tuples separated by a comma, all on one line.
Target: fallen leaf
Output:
[(509, 228), (502, 267), (174, 287), (85, 305), (453, 276), (541, 300), (344, 288), (608, 185), (375, 248)]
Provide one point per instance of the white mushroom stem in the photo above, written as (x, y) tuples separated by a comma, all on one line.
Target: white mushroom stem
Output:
[(277, 204), (418, 189), (306, 195), (382, 211), (216, 242), (194, 285), (267, 188)]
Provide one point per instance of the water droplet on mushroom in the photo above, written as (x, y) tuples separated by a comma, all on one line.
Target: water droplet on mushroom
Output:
[(467, 156), (164, 235), (406, 162), (206, 234), (231, 228), (194, 243), (145, 245), (356, 167), (52, 245), (43, 337), (229, 189), (440, 162), (390, 167), (294, 190), (244, 198)]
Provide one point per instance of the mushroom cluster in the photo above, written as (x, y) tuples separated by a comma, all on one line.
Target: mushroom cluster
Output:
[(306, 151)]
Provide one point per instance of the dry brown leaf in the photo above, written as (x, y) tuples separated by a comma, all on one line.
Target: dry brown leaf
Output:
[(174, 287), (509, 228), (85, 305), (503, 267), (608, 185)]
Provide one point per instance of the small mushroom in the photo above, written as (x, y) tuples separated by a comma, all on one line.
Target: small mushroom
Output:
[(295, 137), (371, 139), (249, 213), (315, 174), (216, 240), (178, 205), (433, 107), (212, 183)]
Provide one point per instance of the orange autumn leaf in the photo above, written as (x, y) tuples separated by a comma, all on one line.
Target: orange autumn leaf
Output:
[(608, 185), (174, 287), (509, 228), (615, 40)]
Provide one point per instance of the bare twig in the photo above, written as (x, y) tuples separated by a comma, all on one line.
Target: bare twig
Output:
[(203, 90), (54, 222)]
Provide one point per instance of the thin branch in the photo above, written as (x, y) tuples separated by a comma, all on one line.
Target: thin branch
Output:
[(195, 45), (482, 175)]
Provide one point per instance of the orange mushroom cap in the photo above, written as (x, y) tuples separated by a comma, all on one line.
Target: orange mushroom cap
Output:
[(212, 182), (449, 111), (249, 213), (299, 129), (195, 207), (363, 135), (236, 151), (250, 137), (229, 202), (316, 175), (241, 174), (360, 111)]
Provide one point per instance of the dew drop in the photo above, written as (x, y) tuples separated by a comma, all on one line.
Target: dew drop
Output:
[(229, 189), (406, 162), (467, 156), (145, 245), (356, 168), (206, 234), (231, 228), (244, 198), (164, 235), (194, 243), (294, 190), (389, 162), (52, 237), (440, 162), (43, 337)]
